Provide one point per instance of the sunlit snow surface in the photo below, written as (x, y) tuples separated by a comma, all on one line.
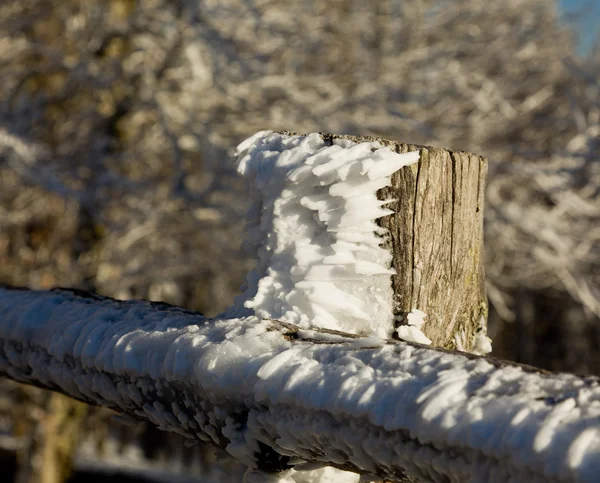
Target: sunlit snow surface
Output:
[(236, 382), (246, 382)]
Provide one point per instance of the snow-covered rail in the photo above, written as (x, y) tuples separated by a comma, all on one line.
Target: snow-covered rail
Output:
[(276, 396), (301, 371)]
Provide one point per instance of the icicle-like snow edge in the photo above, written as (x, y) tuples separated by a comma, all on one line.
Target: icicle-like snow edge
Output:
[(313, 233)]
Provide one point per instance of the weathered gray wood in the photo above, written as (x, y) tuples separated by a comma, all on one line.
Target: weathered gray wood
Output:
[(436, 238)]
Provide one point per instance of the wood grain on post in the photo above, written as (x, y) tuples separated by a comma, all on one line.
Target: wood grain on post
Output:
[(436, 238)]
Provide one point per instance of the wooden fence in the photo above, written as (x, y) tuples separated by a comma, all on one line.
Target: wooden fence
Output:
[(279, 391)]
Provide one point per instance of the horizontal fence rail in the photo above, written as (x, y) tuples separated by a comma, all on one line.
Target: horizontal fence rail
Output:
[(276, 396)]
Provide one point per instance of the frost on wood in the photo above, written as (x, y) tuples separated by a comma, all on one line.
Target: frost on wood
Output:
[(312, 228), (434, 235), (277, 396), (285, 380)]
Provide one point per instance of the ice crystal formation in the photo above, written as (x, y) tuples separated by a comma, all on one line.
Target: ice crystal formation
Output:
[(312, 229)]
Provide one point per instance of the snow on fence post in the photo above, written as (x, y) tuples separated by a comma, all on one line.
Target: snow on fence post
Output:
[(301, 370), (436, 240)]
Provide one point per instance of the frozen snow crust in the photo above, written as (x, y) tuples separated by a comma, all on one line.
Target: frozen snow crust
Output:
[(385, 408), (312, 228)]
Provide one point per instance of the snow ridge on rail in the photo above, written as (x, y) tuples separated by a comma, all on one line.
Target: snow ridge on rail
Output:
[(382, 409)]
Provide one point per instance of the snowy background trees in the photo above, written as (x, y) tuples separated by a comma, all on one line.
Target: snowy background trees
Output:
[(117, 121)]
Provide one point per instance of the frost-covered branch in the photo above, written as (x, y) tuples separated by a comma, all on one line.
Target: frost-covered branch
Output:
[(277, 396)]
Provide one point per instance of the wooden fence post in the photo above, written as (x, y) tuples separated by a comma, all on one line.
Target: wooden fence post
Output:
[(437, 237), (436, 240)]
